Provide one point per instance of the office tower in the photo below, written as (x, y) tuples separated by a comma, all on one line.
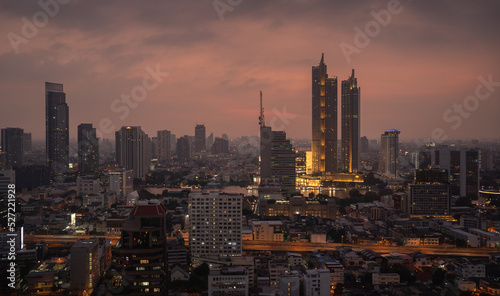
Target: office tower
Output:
[(200, 138), (365, 146), (283, 161), (173, 144), (3, 161), (27, 142), (12, 145), (215, 226), (85, 269), (133, 150), (154, 148), (350, 125), (210, 141), (220, 146), (121, 182), (324, 120), (430, 194), (56, 128), (88, 149), (139, 260), (389, 152), (183, 149), (164, 146)]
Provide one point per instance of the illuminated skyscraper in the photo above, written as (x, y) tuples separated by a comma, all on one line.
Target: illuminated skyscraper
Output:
[(56, 128), (389, 151), (324, 121), (88, 149), (350, 125)]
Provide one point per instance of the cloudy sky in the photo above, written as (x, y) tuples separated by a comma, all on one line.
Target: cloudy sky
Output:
[(219, 54)]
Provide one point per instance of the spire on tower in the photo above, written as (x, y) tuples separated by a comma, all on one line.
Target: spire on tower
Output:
[(262, 122)]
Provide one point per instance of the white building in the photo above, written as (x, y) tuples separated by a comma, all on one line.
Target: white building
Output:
[(466, 269), (316, 282), (385, 278), (268, 231), (87, 186), (215, 226), (121, 182), (228, 281)]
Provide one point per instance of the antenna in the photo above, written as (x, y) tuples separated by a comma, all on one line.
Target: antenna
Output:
[(262, 121)]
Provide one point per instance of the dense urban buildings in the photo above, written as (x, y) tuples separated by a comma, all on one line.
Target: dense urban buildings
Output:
[(12, 145), (430, 195), (389, 153), (350, 123), (56, 128), (324, 120), (88, 149), (133, 150)]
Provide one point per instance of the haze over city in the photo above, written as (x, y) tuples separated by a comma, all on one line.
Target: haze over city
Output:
[(426, 59)]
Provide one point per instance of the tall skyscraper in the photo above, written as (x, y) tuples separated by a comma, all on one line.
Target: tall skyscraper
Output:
[(283, 161), (56, 128), (210, 141), (324, 120), (133, 150), (389, 152), (215, 222), (183, 149), (350, 125), (139, 260), (164, 138), (88, 149), (12, 145), (200, 138)]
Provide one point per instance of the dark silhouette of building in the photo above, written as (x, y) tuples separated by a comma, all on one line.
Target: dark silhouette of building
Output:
[(27, 143), (324, 120), (430, 194), (220, 146), (32, 176), (133, 150), (389, 152), (88, 149), (200, 138), (350, 125), (139, 260), (164, 146), (12, 145), (56, 128), (365, 145), (183, 149)]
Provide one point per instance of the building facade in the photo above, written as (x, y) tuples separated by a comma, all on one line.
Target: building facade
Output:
[(12, 144), (389, 152), (56, 128), (133, 150), (88, 149), (350, 150)]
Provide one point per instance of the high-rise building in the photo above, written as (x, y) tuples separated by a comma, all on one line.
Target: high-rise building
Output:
[(133, 150), (228, 281), (12, 145), (350, 125), (139, 260), (215, 222), (154, 148), (210, 141), (183, 149), (85, 269), (365, 145), (56, 128), (121, 182), (164, 146), (430, 194), (88, 149), (27, 142), (389, 152), (200, 138), (324, 120), (283, 161)]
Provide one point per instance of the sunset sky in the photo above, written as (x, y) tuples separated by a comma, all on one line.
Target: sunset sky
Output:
[(426, 59)]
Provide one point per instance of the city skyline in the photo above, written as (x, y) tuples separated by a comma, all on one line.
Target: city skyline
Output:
[(409, 79)]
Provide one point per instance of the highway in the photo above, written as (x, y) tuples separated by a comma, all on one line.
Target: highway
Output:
[(66, 240)]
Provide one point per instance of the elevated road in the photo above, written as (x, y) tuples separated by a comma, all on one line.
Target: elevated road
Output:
[(442, 250)]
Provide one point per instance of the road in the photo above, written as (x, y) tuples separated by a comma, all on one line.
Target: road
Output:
[(63, 240)]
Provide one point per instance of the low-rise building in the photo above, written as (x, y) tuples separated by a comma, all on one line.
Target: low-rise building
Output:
[(385, 278)]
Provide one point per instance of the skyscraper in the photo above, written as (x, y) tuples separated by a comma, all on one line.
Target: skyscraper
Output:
[(215, 221), (350, 125), (210, 141), (133, 150), (164, 138), (389, 152), (430, 194), (12, 145), (26, 143), (139, 259), (324, 120), (56, 128), (283, 161), (88, 149), (200, 138), (183, 149)]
